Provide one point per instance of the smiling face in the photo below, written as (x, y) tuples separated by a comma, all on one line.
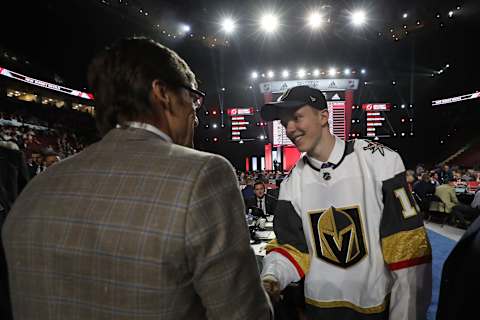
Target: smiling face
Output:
[(305, 127)]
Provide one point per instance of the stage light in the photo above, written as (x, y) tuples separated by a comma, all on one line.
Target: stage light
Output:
[(214, 126), (403, 106), (405, 15), (315, 20), (223, 89), (363, 71), (316, 73), (394, 82), (262, 137), (347, 71), (332, 72), (241, 141), (270, 74), (301, 73), (185, 28), (254, 75), (450, 14), (228, 25), (285, 73), (358, 18), (269, 23), (250, 87), (447, 66)]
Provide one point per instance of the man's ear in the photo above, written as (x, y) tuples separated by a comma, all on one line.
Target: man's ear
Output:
[(324, 116), (161, 94)]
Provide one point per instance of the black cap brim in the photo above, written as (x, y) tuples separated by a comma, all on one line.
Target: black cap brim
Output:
[(270, 111)]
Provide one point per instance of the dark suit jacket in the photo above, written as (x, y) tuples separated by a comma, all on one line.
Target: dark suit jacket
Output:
[(461, 278), (133, 227), (13, 178), (270, 203)]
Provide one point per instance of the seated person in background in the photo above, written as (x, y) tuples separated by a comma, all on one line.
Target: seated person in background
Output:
[(50, 157), (410, 176), (446, 192), (476, 201), (261, 200), (247, 191), (422, 189)]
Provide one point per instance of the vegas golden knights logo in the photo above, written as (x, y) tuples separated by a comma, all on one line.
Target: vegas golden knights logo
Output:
[(338, 235)]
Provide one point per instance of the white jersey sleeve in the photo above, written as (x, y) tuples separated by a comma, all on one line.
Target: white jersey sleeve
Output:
[(405, 245), (287, 258)]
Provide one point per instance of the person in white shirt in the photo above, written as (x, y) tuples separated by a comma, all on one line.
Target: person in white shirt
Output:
[(345, 223)]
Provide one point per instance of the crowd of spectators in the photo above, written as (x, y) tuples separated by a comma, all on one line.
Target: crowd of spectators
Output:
[(451, 191), (44, 134)]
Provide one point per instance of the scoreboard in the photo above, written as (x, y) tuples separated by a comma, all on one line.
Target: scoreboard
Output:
[(382, 120), (245, 124)]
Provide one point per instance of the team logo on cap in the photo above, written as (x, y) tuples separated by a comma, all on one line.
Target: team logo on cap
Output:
[(338, 235), (284, 95)]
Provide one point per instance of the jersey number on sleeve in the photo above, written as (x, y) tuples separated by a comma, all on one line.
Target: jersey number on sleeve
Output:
[(407, 209)]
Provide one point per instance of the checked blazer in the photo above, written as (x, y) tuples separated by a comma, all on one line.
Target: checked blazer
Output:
[(133, 227)]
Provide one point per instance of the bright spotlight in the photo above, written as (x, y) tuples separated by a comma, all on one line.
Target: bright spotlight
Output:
[(405, 15), (269, 23), (270, 74), (363, 71), (358, 18), (332, 72), (346, 71), (254, 75), (228, 25), (315, 20), (301, 73), (450, 14), (285, 73), (214, 126), (185, 28), (316, 73)]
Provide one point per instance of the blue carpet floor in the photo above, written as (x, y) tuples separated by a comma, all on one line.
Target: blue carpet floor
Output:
[(441, 247)]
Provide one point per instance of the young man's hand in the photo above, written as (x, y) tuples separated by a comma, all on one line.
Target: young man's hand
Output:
[(272, 287)]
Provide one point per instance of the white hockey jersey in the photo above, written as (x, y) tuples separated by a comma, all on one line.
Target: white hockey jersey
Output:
[(351, 229)]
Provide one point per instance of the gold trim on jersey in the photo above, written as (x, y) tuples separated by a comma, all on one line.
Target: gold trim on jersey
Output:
[(347, 304), (406, 245), (302, 258)]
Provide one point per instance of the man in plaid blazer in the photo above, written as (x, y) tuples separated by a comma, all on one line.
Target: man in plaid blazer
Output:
[(138, 225)]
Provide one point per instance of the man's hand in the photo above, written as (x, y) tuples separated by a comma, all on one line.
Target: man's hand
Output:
[(272, 287)]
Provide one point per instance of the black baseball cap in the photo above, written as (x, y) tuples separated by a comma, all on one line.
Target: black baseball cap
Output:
[(294, 98)]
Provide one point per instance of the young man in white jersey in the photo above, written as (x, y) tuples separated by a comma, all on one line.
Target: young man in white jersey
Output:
[(345, 222)]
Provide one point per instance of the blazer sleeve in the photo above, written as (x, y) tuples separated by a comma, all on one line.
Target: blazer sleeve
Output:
[(224, 268)]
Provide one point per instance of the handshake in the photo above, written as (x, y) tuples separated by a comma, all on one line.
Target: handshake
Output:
[(272, 288)]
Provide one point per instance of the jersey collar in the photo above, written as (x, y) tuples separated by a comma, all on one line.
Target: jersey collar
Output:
[(336, 157)]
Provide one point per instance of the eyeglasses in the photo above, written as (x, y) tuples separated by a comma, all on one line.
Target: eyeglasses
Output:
[(197, 96)]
